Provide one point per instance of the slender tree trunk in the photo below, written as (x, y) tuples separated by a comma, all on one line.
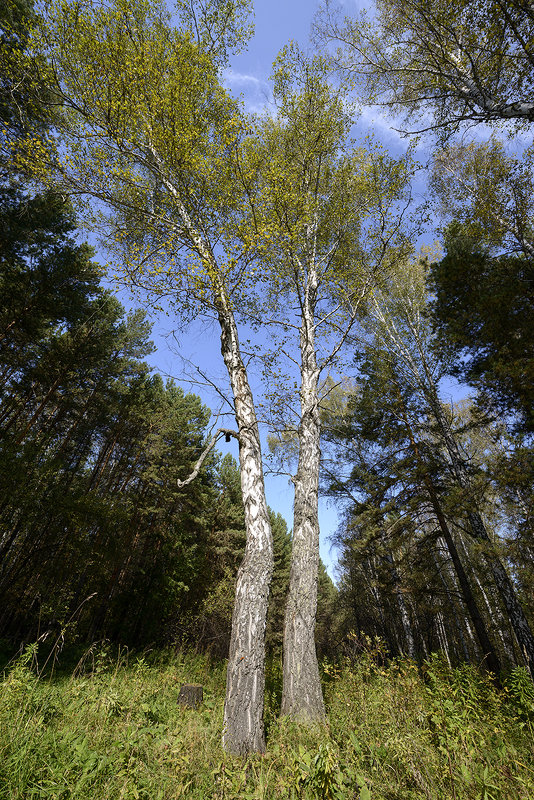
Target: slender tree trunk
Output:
[(517, 617), (490, 654), (440, 568), (302, 695), (442, 637), (243, 730), (403, 610), (498, 621), (245, 677)]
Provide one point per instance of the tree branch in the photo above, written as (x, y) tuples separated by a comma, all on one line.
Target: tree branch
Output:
[(207, 450)]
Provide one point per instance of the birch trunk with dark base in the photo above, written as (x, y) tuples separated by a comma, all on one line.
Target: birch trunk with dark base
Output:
[(302, 696), (245, 678), (243, 730)]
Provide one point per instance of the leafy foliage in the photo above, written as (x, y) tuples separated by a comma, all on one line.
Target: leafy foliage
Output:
[(483, 312), (459, 61)]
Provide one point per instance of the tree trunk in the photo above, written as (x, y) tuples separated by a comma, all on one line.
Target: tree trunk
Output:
[(489, 652), (440, 568), (442, 637), (409, 640), (497, 619), (302, 695), (491, 659), (245, 678), (243, 730), (517, 617)]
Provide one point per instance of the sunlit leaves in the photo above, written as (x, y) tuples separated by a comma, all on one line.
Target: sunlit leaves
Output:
[(149, 133), (489, 191)]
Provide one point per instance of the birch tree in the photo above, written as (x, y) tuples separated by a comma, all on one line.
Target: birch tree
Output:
[(149, 136), (329, 217), (439, 64), (490, 192)]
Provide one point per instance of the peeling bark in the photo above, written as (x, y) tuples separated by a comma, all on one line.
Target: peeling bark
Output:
[(243, 730), (302, 696), (245, 678)]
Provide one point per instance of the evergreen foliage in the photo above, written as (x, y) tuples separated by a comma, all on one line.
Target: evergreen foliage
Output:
[(101, 535), (483, 312)]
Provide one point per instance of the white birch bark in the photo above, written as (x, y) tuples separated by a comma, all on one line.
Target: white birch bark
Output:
[(302, 694), (243, 730), (442, 637), (245, 678)]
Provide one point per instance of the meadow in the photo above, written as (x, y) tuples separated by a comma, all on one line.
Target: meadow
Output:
[(110, 728)]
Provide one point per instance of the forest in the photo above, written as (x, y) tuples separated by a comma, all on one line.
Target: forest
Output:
[(372, 312)]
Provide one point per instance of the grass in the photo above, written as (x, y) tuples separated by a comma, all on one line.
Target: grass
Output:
[(112, 729)]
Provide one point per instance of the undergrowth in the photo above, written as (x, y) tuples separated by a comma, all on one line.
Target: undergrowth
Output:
[(113, 730)]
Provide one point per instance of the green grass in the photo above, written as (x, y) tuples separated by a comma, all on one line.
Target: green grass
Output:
[(113, 729)]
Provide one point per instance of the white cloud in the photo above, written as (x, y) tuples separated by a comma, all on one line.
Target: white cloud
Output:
[(254, 91), (231, 78)]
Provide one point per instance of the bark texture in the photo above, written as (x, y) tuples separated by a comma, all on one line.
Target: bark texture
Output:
[(409, 640), (245, 678), (302, 696), (243, 730)]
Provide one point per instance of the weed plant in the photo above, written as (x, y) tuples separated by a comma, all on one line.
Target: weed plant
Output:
[(113, 730)]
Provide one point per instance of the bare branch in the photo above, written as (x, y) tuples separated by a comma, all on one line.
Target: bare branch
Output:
[(227, 432)]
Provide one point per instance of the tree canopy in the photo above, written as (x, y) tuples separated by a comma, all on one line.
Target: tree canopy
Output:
[(440, 64)]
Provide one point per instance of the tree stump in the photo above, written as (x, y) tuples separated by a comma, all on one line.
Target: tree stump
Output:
[(191, 695)]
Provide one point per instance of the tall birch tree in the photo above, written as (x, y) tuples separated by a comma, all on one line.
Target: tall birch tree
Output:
[(329, 217), (440, 64), (150, 136)]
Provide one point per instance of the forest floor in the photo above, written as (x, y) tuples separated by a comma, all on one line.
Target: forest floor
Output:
[(112, 729)]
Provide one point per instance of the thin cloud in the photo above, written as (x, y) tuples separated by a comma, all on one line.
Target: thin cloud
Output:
[(231, 78), (255, 91)]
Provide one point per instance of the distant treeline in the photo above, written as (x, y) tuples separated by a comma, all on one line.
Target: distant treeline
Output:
[(96, 538)]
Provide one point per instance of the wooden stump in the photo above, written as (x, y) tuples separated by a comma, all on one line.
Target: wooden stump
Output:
[(191, 695)]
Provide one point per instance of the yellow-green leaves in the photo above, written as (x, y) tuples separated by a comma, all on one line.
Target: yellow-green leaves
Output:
[(148, 132), (220, 26), (318, 203), (489, 191)]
